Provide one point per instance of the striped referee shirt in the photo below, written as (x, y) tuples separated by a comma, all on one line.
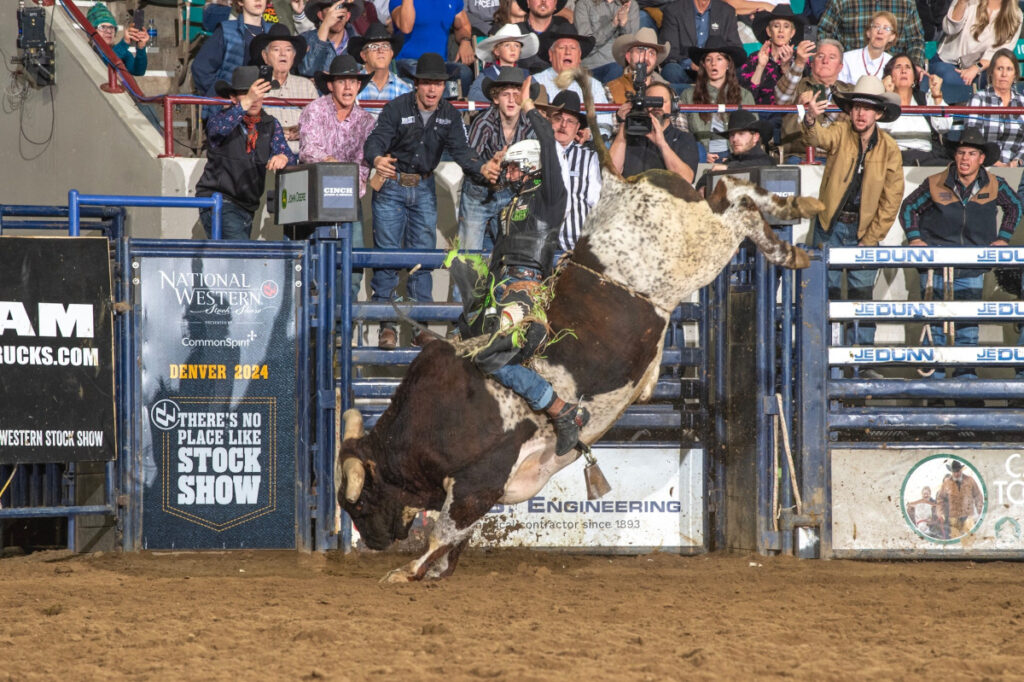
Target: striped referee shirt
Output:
[(581, 174)]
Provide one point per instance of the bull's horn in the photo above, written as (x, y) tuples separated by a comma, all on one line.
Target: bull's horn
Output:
[(353, 419), (354, 475)]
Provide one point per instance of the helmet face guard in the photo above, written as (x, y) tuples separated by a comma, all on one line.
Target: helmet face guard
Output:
[(525, 156)]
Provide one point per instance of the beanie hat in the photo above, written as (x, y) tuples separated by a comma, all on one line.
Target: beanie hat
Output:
[(99, 14)]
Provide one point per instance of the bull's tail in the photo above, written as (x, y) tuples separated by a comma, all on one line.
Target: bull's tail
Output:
[(582, 78), (743, 200)]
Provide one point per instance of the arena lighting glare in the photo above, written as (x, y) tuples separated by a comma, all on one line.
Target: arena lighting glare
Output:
[(35, 52)]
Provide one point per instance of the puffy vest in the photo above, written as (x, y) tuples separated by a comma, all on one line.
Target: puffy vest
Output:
[(239, 176)]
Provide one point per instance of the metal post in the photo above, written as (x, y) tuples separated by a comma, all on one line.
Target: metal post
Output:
[(74, 226), (112, 86), (218, 212), (168, 128), (346, 314)]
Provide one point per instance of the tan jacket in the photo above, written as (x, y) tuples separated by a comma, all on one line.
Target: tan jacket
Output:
[(791, 141), (881, 190)]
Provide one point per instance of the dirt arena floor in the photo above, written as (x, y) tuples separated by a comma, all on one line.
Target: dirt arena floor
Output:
[(506, 615)]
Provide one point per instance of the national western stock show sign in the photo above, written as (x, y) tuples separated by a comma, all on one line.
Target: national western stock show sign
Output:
[(56, 350), (949, 500), (219, 370)]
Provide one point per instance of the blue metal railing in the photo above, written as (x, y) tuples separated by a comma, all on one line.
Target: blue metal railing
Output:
[(77, 200)]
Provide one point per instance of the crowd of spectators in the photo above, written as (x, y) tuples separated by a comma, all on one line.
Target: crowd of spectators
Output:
[(866, 58)]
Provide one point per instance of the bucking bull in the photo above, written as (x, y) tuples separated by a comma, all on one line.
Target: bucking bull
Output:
[(454, 441)]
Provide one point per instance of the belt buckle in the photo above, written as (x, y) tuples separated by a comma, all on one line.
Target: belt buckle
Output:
[(408, 179)]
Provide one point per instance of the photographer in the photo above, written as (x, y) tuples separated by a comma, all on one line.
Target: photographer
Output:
[(631, 51), (245, 142), (646, 139), (278, 50)]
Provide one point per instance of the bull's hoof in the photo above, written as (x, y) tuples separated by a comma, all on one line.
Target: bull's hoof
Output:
[(809, 206), (398, 575)]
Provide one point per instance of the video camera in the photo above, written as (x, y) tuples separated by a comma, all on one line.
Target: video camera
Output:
[(638, 120)]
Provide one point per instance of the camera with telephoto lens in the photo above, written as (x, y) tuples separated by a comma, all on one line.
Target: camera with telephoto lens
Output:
[(638, 120)]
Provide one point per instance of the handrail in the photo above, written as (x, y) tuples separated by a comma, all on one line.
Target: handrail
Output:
[(216, 202)]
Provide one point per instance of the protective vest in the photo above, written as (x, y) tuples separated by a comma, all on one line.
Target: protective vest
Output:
[(529, 232)]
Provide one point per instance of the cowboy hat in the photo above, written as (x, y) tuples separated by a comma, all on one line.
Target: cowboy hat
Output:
[(741, 119), (972, 137), (513, 75), (508, 32), (376, 33), (870, 91), (429, 67), (549, 38), (763, 19), (568, 101), (354, 7), (735, 53), (645, 37), (342, 66), (242, 79), (276, 32), (526, 8)]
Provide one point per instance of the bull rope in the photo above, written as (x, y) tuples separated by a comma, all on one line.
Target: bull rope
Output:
[(605, 278), (781, 425), (9, 479)]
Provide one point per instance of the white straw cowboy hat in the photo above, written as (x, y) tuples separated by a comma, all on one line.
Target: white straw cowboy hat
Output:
[(645, 37), (870, 91), (508, 32)]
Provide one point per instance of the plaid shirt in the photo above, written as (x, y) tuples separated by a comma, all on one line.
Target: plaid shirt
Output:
[(847, 22), (392, 89), (1006, 131), (487, 137)]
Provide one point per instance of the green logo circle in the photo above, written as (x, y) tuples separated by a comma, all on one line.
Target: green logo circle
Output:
[(944, 498), (284, 199)]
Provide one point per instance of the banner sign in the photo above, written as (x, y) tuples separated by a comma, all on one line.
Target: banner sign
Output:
[(656, 502), (925, 255), (950, 355), (952, 500), (219, 373), (922, 310), (56, 350)]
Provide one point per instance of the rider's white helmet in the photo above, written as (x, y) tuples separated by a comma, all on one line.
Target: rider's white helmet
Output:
[(525, 154)]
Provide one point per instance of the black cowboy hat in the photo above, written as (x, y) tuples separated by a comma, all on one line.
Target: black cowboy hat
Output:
[(972, 137), (548, 38), (763, 19), (429, 67), (242, 79), (954, 465), (513, 75), (355, 9), (342, 66), (376, 33), (870, 91), (569, 101), (508, 75), (741, 119), (276, 32), (526, 7), (734, 52)]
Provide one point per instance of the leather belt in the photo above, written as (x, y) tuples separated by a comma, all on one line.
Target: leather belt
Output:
[(411, 179), (849, 217)]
